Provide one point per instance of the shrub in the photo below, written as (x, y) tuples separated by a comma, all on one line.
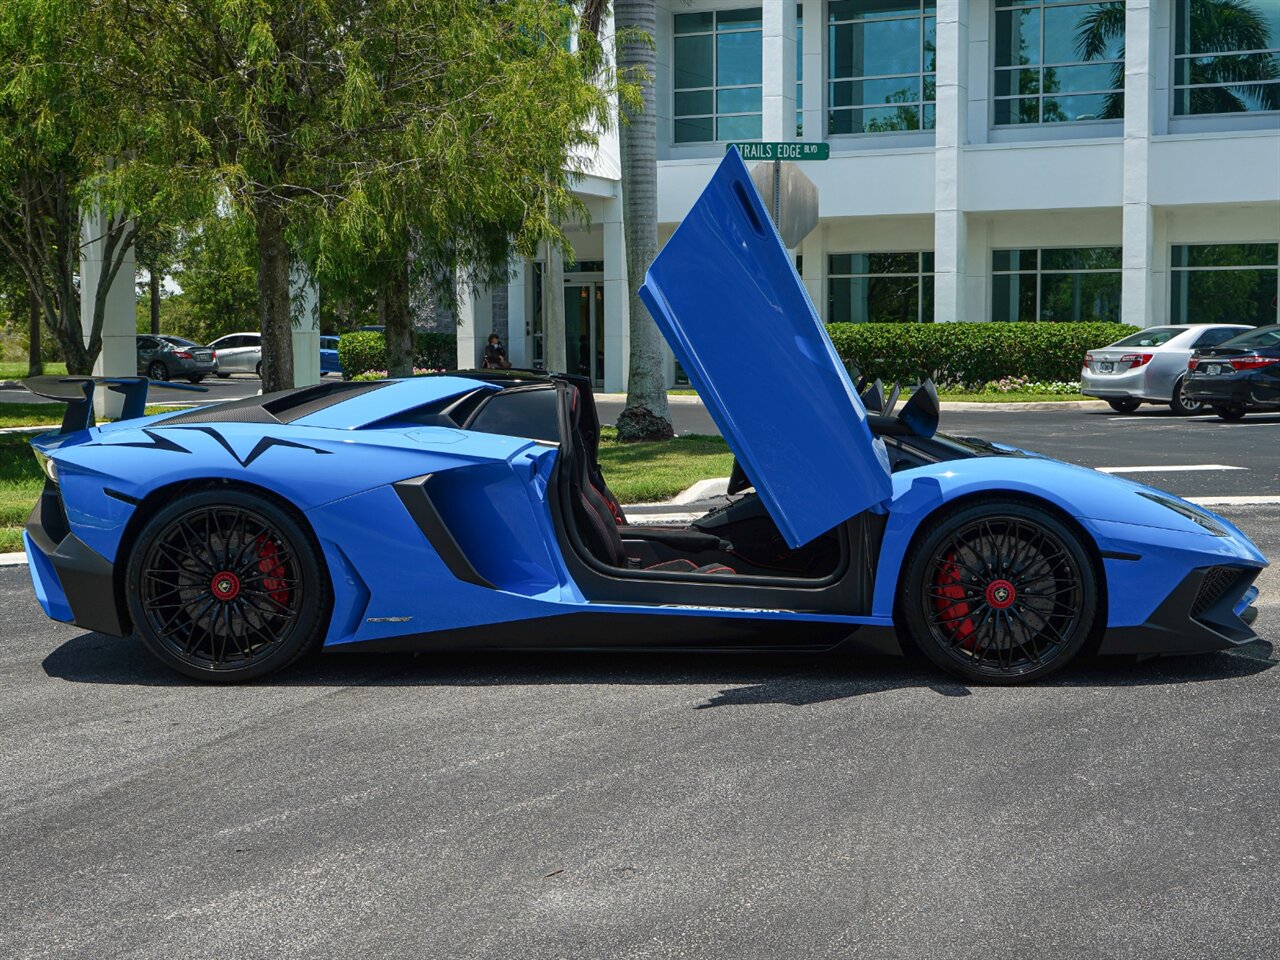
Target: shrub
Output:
[(366, 351), (971, 353), (361, 352)]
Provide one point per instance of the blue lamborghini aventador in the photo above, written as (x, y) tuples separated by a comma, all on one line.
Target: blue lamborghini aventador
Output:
[(468, 510)]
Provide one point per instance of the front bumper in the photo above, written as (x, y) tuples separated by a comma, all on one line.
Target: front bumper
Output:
[(73, 583), (1211, 609)]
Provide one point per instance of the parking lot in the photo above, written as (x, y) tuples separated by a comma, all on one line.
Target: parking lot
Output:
[(503, 805)]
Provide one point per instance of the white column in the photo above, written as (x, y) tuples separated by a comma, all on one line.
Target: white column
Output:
[(304, 298), (475, 323), (617, 313), (949, 240), (517, 311), (813, 268), (1139, 228), (119, 354), (815, 85), (778, 73)]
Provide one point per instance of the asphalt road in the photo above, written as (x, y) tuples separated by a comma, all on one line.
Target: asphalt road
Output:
[(232, 388), (505, 806), (1232, 459)]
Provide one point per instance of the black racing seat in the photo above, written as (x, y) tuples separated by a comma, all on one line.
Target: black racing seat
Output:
[(603, 531)]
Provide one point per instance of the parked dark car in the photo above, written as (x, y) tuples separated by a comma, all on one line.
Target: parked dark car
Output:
[(1238, 375), (162, 357)]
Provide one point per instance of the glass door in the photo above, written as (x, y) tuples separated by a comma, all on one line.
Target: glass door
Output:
[(583, 330)]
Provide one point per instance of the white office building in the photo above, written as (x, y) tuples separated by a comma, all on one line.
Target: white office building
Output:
[(990, 160)]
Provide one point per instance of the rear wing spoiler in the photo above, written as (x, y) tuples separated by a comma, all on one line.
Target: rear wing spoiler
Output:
[(77, 394)]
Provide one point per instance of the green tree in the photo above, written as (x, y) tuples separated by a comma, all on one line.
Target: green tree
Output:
[(56, 125), (156, 250), (356, 130), (217, 270)]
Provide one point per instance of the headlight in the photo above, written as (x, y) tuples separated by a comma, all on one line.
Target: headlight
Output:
[(47, 465), (1188, 511)]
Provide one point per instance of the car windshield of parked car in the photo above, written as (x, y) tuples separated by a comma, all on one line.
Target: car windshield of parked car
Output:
[(1256, 339), (1154, 337), (180, 342)]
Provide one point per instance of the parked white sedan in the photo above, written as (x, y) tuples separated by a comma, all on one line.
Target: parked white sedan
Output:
[(239, 353), (1149, 366)]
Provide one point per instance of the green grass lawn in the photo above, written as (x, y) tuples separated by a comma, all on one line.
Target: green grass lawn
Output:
[(17, 369), (20, 483), (645, 472), (42, 414)]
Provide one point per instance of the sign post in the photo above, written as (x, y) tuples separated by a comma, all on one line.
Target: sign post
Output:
[(776, 151)]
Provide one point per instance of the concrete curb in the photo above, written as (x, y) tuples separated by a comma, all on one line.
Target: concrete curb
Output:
[(969, 405), (13, 559)]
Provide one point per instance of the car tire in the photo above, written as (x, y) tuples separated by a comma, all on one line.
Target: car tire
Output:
[(222, 376), (1181, 405), (1230, 411), (999, 592), (157, 371), (195, 378), (227, 586), (257, 370), (1127, 405)]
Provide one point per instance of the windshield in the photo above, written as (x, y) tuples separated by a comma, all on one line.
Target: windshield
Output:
[(1154, 337), (1255, 339)]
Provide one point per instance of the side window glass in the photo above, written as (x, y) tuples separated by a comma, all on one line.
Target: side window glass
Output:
[(1211, 338), (146, 343)]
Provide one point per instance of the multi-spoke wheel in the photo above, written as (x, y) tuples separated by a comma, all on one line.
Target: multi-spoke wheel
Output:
[(225, 586), (999, 592)]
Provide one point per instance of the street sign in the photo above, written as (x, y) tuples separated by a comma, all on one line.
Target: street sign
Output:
[(777, 150)]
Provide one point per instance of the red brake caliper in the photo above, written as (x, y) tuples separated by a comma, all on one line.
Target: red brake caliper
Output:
[(949, 601), (273, 583)]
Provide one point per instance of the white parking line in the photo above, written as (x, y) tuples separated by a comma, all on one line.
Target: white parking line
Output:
[(1170, 468)]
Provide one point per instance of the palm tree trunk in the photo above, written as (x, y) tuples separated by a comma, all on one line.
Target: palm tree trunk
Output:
[(645, 416)]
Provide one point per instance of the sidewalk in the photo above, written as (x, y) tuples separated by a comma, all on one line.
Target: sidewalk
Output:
[(956, 405)]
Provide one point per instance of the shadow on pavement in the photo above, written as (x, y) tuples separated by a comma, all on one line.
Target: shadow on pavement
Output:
[(748, 679)]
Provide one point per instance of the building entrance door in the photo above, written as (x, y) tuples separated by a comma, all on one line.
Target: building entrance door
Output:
[(584, 330)]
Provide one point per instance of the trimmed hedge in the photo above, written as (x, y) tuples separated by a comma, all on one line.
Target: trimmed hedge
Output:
[(971, 353), (366, 350)]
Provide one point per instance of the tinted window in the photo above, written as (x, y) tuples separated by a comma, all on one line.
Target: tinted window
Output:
[(1256, 339), (329, 343), (520, 413), (146, 343), (1154, 337), (226, 343), (1211, 338)]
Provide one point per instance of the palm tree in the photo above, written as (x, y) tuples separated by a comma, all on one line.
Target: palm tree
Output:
[(645, 416), (1214, 25)]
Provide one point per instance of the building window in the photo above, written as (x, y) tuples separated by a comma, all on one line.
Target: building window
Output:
[(880, 65), (1226, 56), (717, 76), (1056, 285), (1225, 283), (1057, 62), (880, 288)]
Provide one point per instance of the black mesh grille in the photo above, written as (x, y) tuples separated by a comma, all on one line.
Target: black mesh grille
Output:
[(1216, 582)]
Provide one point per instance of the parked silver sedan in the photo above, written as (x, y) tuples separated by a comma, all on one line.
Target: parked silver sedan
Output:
[(1150, 366)]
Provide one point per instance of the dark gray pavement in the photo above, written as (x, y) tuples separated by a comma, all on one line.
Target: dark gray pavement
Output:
[(1153, 437), (232, 388), (601, 806)]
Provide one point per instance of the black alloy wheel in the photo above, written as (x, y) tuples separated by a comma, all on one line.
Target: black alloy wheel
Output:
[(1126, 405), (999, 592), (225, 585), (157, 371), (1181, 405), (1230, 411)]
